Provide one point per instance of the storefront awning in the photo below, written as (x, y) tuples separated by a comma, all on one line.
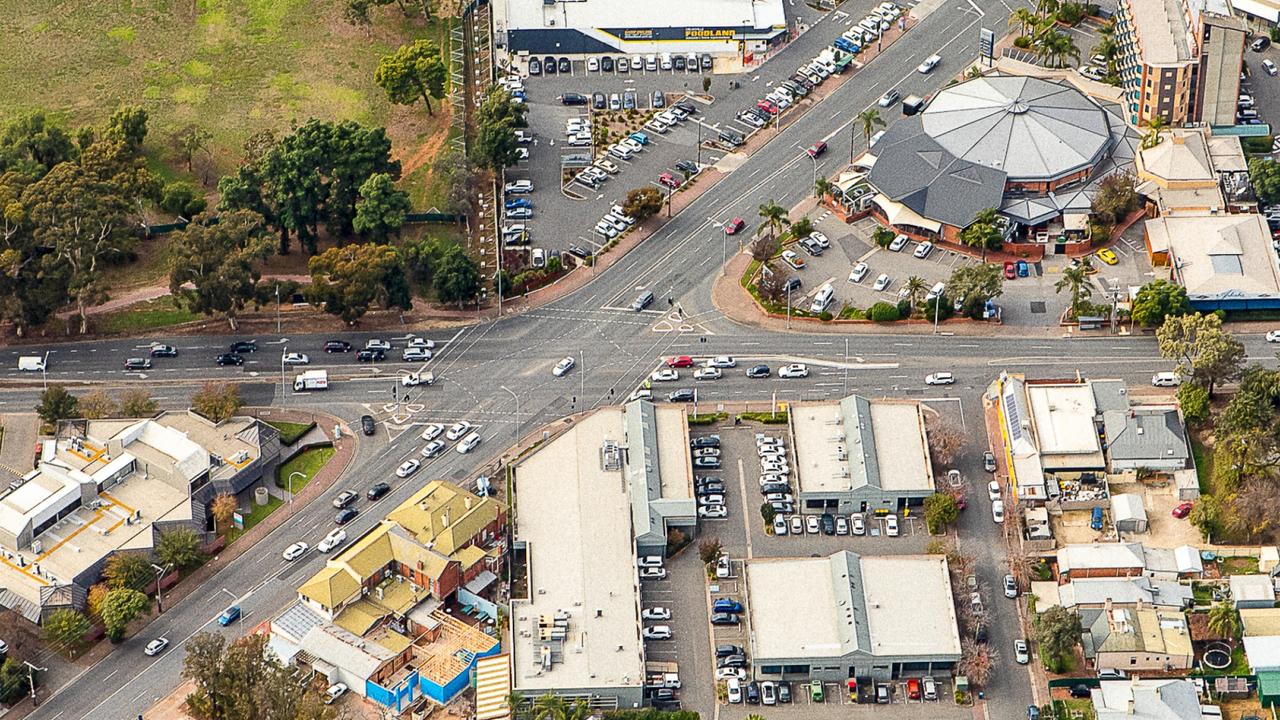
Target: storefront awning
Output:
[(898, 214)]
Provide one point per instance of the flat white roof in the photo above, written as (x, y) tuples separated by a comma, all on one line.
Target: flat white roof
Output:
[(901, 448), (674, 461), (855, 442), (818, 434), (575, 521), (909, 606), (1063, 416), (625, 14), (794, 611)]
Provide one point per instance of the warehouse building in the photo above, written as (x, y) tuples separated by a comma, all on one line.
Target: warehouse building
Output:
[(852, 617)]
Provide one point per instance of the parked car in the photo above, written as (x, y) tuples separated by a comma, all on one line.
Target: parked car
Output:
[(725, 619), (657, 632), (1010, 587), (997, 511), (891, 525), (857, 524), (989, 461), (1021, 655)]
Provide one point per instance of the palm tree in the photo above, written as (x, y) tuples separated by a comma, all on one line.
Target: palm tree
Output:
[(550, 707), (1076, 280), (1054, 48), (755, 716), (1046, 8), (514, 702), (1223, 620), (802, 228), (1023, 18), (870, 119), (1155, 125), (916, 287), (983, 232), (579, 711), (775, 216), (974, 72), (821, 187)]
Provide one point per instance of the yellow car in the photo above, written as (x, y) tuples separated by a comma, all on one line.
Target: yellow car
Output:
[(1108, 257)]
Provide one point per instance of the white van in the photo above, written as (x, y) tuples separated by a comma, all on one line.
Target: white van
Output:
[(32, 363), (823, 299), (1166, 379), (935, 291)]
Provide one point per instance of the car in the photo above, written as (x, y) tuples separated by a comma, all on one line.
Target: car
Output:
[(734, 688), (230, 359), (336, 537), (724, 618), (705, 441), (516, 187), (155, 646), (688, 166), (811, 524), (535, 66), (371, 356), (457, 430), (1033, 712), (1081, 691), (243, 346), (768, 693), (649, 561), (612, 168), (842, 524), (665, 375), (1183, 510), (658, 99), (522, 213), (753, 693), (857, 524), (734, 226), (816, 149), (1260, 43), (345, 498), (993, 490), (889, 98), (563, 65), (679, 361), (997, 511), (1269, 67), (989, 461), (1009, 272), (1107, 256), (784, 691), (164, 351), (793, 259), (229, 615), (652, 573), (1023, 267), (668, 180), (913, 689), (407, 468), (712, 512), (724, 568), (940, 378), (709, 463), (137, 364), (710, 373), (295, 551), (730, 673), (333, 346), (468, 443), (820, 239), (779, 525), (1273, 336), (367, 426), (709, 489), (1020, 652), (726, 605), (923, 249), (656, 613), (859, 272), (794, 370), (657, 632), (883, 695), (722, 361), (563, 366), (1010, 587), (432, 449), (377, 491), (345, 516), (334, 692), (606, 64), (891, 525), (681, 395), (737, 660), (898, 242), (929, 64)]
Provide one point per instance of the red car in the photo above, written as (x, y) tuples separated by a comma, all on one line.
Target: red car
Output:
[(680, 361), (1010, 272), (1183, 510), (913, 689), (817, 149), (669, 180), (735, 226), (768, 107)]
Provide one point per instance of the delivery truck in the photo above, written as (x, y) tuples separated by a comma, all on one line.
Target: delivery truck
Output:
[(311, 380), (33, 363)]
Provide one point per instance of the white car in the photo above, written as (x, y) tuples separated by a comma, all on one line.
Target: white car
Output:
[(779, 468), (857, 525), (811, 524), (518, 187), (656, 613), (709, 500), (791, 258), (665, 375), (735, 689), (1020, 653), (468, 443), (709, 373), (649, 561), (722, 361), (881, 283), (420, 342), (794, 370), (993, 490), (657, 632), (858, 272), (652, 573), (641, 394), (929, 64), (779, 497), (1273, 336), (779, 525), (891, 525), (940, 378), (457, 430), (564, 366), (382, 345), (923, 250), (713, 512), (723, 567), (432, 431), (821, 239), (731, 673), (408, 468), (336, 537), (334, 692), (295, 551), (997, 511), (415, 354), (797, 525), (295, 359), (155, 646), (433, 448)]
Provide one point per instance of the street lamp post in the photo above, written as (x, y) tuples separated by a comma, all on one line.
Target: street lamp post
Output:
[(284, 389), (788, 306), (845, 388), (814, 158), (517, 399), (160, 571), (277, 308), (295, 472)]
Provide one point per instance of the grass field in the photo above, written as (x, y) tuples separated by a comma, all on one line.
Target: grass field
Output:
[(231, 66), (257, 514), (307, 463), (146, 315), (290, 432)]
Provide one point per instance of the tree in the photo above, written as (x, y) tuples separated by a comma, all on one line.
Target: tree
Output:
[(381, 209), (976, 284), (1158, 300), (870, 120), (1194, 401), (977, 661), (1208, 517), (497, 118), (1223, 620), (1057, 630), (129, 125), (883, 312), (93, 602), (414, 71), (57, 404), (189, 140), (182, 200), (802, 228), (550, 707), (457, 279), (180, 548), (768, 513), (217, 401), (1155, 125), (882, 236), (772, 284), (984, 232), (1055, 48), (220, 258), (1254, 510), (1023, 19), (1117, 198), (1204, 351), (97, 405), (121, 607), (1075, 279), (774, 216), (940, 510), (243, 680), (763, 249), (709, 550), (916, 287), (945, 443), (821, 187), (348, 281), (643, 202), (137, 403), (32, 145), (223, 508), (1264, 175), (65, 629), (128, 570), (14, 680)]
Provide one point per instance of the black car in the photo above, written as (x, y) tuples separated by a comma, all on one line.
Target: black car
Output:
[(753, 693), (736, 660), (564, 66), (679, 62), (1080, 691), (377, 491), (549, 65), (606, 64), (370, 356), (1261, 43), (725, 619), (346, 515), (727, 650), (597, 101), (980, 633), (244, 346), (705, 441), (681, 395), (758, 371), (535, 66), (687, 166), (333, 346), (784, 691), (366, 424), (579, 252), (775, 487), (711, 488), (164, 351), (792, 284), (137, 364), (230, 359), (686, 106), (828, 524), (573, 98)]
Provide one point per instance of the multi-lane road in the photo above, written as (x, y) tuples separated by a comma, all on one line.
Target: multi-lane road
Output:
[(498, 374)]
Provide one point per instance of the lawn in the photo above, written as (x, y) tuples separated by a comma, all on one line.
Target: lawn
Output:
[(1204, 463), (290, 432), (1238, 566), (258, 514), (233, 67), (1073, 709), (308, 462), (161, 312)]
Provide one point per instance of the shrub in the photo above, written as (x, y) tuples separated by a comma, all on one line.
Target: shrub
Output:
[(904, 308), (182, 199), (825, 316), (1022, 41), (1072, 13), (883, 312)]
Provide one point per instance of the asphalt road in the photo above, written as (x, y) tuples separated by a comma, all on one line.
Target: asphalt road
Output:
[(498, 375)]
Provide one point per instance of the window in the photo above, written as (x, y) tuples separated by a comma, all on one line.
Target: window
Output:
[(771, 669)]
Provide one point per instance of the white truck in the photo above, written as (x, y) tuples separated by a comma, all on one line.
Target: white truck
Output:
[(417, 378), (33, 363), (311, 380)]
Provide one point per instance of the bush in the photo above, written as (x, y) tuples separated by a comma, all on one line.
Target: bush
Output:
[(1072, 13), (942, 305), (883, 312), (182, 199), (904, 308), (1194, 400), (1022, 41), (825, 316), (778, 418)]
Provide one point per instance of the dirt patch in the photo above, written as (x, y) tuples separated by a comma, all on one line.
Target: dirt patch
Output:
[(426, 152)]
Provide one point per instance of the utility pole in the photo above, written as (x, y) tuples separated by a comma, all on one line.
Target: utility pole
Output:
[(852, 134), (277, 308), (160, 571), (284, 390), (582, 377), (699, 124), (845, 388), (668, 201), (788, 305), (31, 680)]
